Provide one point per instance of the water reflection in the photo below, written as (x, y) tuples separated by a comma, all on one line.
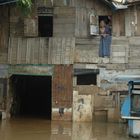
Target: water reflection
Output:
[(28, 129)]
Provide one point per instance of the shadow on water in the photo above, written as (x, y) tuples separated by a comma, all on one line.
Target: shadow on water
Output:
[(41, 129)]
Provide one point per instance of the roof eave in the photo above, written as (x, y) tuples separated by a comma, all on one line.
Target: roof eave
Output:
[(8, 2), (115, 6)]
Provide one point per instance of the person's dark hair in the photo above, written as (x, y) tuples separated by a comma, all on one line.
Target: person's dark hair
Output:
[(106, 21)]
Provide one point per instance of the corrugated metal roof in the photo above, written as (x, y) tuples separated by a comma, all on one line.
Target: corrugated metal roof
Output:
[(3, 2), (132, 1), (115, 5), (120, 1)]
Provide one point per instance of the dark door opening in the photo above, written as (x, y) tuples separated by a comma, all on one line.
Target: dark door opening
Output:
[(31, 96), (45, 26)]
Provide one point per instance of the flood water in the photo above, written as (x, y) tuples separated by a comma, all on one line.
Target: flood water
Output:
[(41, 129)]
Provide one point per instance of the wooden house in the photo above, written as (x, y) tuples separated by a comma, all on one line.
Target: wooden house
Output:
[(50, 64)]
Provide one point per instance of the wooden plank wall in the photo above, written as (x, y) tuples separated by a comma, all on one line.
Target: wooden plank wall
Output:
[(41, 51), (138, 20), (127, 23), (64, 22), (134, 55), (60, 3), (43, 3), (4, 33), (82, 22), (30, 27), (118, 23), (16, 22), (119, 50), (28, 51), (86, 50), (132, 21), (22, 25), (61, 50)]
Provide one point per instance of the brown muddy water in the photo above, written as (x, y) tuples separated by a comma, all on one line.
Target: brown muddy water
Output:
[(40, 129)]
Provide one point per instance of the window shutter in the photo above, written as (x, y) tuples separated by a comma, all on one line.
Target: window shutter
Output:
[(94, 28), (31, 27)]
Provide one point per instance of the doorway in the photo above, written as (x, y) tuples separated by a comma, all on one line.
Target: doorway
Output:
[(31, 96)]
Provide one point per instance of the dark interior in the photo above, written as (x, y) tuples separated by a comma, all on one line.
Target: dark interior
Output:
[(45, 26), (107, 19), (86, 79), (32, 96)]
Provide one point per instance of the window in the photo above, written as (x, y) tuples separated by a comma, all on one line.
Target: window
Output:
[(105, 30), (86, 79), (45, 26), (94, 28), (107, 20), (86, 76)]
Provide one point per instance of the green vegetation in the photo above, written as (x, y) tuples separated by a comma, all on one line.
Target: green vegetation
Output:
[(25, 6)]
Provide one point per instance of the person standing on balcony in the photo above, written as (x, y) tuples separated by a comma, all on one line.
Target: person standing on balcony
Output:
[(105, 40)]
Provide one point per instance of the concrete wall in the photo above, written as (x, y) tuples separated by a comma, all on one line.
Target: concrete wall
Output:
[(82, 107)]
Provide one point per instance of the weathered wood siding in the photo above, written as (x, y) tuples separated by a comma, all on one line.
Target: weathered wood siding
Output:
[(59, 3), (28, 51), (120, 50), (118, 23), (16, 22), (4, 32), (61, 50), (64, 22), (62, 92), (86, 51), (41, 51), (132, 21), (68, 51), (30, 27), (82, 22), (21, 25), (42, 3), (134, 54), (137, 14)]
